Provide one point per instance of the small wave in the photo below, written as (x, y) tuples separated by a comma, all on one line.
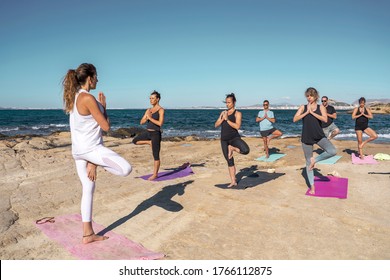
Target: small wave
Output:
[(6, 129), (59, 125), (40, 127)]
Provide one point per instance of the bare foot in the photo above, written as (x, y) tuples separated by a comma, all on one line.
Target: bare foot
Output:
[(266, 154), (234, 184), (151, 178), (91, 171), (184, 165), (230, 154), (312, 190), (312, 163), (93, 237)]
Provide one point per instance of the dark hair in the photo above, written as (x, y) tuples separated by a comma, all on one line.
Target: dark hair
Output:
[(266, 101), (312, 92), (232, 96), (72, 82), (362, 99), (157, 94), (325, 97)]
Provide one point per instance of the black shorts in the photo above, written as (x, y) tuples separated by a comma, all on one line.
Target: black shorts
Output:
[(361, 127), (266, 133)]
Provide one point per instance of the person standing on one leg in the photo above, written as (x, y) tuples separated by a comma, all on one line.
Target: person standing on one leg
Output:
[(361, 115), (230, 122), (329, 127), (312, 115), (87, 118), (266, 119), (154, 117)]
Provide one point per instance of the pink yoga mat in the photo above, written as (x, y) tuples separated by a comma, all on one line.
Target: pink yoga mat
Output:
[(67, 231), (330, 186), (367, 160)]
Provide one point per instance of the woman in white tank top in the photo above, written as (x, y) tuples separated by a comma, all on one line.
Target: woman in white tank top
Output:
[(87, 118)]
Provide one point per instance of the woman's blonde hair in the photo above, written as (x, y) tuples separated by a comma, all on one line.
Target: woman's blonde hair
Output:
[(72, 82), (312, 92)]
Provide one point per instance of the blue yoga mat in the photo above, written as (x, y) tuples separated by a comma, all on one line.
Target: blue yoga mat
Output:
[(331, 160), (272, 157)]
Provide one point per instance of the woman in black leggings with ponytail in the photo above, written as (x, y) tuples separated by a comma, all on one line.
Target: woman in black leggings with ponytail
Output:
[(155, 119), (230, 122)]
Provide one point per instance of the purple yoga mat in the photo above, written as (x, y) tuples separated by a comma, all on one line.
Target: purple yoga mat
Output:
[(330, 186), (67, 231), (172, 174), (366, 160)]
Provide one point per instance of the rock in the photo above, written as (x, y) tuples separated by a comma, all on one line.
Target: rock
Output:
[(125, 132)]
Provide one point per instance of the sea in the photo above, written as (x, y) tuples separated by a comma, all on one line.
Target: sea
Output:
[(179, 122)]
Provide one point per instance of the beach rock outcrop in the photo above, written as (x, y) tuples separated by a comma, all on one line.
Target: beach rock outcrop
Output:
[(125, 132)]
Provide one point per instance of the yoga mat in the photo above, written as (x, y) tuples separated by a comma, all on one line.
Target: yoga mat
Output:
[(173, 174), (330, 186), (382, 156), (367, 159), (331, 160), (272, 157), (67, 231)]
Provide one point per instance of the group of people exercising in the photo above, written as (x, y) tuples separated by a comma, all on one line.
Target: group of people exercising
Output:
[(88, 117)]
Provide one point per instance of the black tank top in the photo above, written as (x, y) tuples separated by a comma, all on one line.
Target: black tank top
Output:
[(153, 126), (228, 132), (362, 121), (311, 130)]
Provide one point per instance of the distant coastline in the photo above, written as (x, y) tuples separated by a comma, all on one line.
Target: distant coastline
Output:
[(377, 106)]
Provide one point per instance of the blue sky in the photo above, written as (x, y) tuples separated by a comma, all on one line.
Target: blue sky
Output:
[(195, 52)]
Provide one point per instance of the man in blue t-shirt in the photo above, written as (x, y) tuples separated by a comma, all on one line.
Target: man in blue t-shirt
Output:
[(266, 119)]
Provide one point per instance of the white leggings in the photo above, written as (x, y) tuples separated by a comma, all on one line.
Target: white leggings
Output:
[(100, 156)]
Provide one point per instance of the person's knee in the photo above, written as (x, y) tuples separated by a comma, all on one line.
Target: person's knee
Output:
[(244, 150), (332, 151), (127, 170)]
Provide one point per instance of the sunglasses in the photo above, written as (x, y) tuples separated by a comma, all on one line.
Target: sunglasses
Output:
[(265, 104), (324, 100)]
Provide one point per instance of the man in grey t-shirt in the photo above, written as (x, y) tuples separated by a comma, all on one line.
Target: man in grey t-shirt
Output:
[(329, 128)]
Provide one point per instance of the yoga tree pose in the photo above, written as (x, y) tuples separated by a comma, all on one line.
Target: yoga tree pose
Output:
[(312, 115), (230, 122), (87, 118), (361, 115)]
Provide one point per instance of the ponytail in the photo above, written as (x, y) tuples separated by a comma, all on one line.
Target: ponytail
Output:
[(71, 86), (72, 82)]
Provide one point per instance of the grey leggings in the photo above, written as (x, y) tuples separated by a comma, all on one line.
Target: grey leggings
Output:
[(329, 151)]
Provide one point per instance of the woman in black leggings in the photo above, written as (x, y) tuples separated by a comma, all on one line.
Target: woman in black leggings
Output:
[(155, 118), (230, 121)]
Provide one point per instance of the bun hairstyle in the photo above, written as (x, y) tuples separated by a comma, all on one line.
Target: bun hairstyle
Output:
[(72, 82), (157, 94), (312, 92), (232, 96)]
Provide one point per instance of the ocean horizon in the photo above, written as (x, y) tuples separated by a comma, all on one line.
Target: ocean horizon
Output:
[(178, 122)]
